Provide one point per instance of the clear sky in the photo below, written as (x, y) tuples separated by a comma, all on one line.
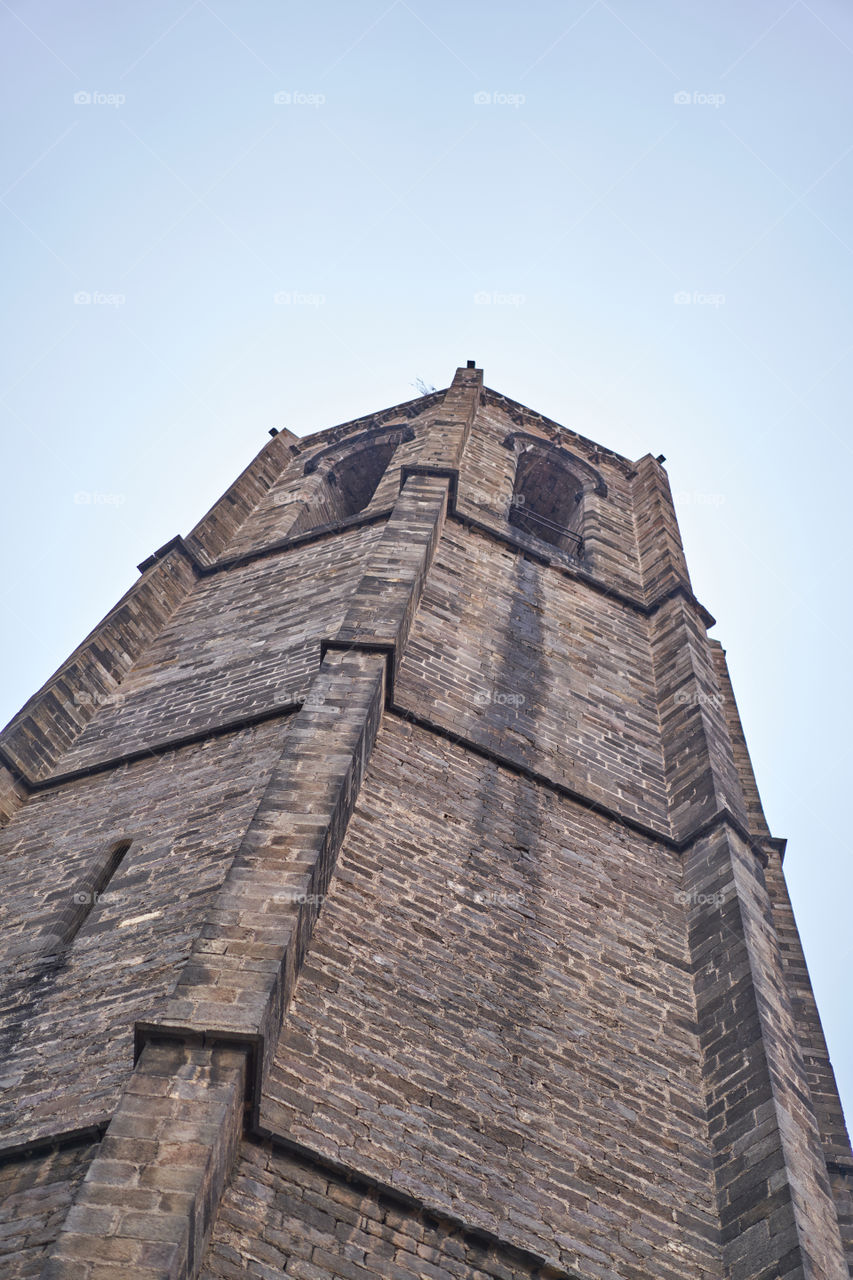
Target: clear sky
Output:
[(636, 217)]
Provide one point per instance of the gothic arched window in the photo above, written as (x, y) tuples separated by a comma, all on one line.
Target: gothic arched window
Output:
[(550, 496), (347, 475), (353, 480)]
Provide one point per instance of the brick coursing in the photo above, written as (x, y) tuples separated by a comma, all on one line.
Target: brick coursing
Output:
[(245, 641), (774, 1202), (487, 926), (36, 1191), (459, 878), (50, 722), (284, 1216), (559, 678), (150, 1194), (68, 1015)]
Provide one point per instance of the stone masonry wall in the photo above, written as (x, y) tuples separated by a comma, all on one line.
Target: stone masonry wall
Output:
[(279, 513), (541, 669), (445, 890), (67, 1038), (283, 1217), (496, 1016), (36, 1191), (245, 641), (486, 485)]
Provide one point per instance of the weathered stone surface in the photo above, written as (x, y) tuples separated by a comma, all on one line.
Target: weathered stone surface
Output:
[(49, 723), (283, 1216), (425, 853), (36, 1191), (68, 1014), (538, 668), (261, 919), (149, 1196), (770, 1167), (246, 641), (496, 1015)]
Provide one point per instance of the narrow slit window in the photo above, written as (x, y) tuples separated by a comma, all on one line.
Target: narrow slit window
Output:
[(87, 897)]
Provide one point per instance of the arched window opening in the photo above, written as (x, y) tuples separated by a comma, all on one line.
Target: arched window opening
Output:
[(547, 501), (345, 476), (354, 480)]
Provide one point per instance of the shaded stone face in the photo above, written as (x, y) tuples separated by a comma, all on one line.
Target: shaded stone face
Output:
[(386, 892)]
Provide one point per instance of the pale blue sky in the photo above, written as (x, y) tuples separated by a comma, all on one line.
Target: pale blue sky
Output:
[(254, 263)]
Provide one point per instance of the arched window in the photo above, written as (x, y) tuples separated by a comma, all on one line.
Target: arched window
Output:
[(352, 482), (547, 502), (550, 497), (347, 475)]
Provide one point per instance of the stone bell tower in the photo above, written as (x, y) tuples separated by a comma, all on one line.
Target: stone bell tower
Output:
[(386, 892)]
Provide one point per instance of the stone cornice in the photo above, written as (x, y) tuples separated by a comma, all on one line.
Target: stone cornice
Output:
[(525, 418), (526, 546), (161, 748)]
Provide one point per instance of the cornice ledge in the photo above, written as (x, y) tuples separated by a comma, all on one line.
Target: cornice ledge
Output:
[(45, 1142), (178, 543), (527, 547)]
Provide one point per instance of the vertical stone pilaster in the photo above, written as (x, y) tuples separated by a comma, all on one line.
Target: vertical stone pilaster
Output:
[(754, 812), (700, 768), (776, 1211), (214, 531), (150, 1195), (441, 449), (381, 610), (240, 974), (233, 992), (662, 560), (790, 966), (238, 980), (815, 1054), (701, 772)]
